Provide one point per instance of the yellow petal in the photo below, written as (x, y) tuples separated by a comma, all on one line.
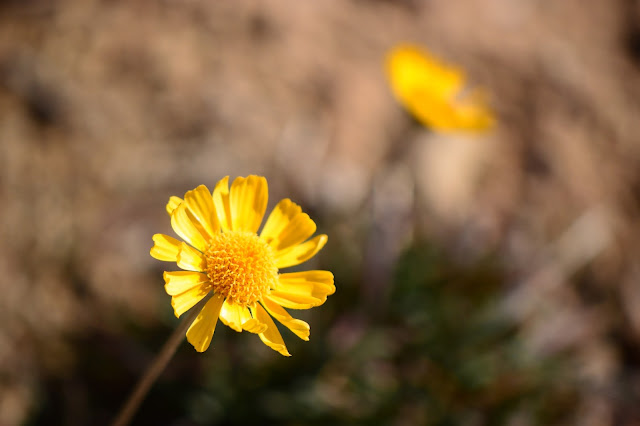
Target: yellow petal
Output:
[(300, 253), (472, 112), (411, 69), (293, 301), (300, 279), (191, 259), (433, 92), (298, 327), (287, 226), (221, 202), (180, 281), (308, 287), (281, 215), (165, 248), (271, 336), (253, 325), (450, 114), (297, 230), (173, 203), (201, 331), (234, 315), (248, 201), (184, 301), (200, 204), (436, 113), (184, 224)]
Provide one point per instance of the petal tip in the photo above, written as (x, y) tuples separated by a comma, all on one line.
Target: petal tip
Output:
[(283, 351), (200, 346)]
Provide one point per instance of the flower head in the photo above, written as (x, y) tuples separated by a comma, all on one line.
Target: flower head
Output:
[(434, 92), (223, 254)]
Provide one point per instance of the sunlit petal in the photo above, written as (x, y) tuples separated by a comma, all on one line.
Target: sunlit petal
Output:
[(184, 301), (177, 282), (165, 248), (300, 253), (201, 331), (234, 315), (287, 226), (298, 327), (248, 200), (191, 259), (278, 219), (173, 203), (253, 325), (221, 202), (312, 286), (185, 225), (271, 336), (200, 204), (293, 301)]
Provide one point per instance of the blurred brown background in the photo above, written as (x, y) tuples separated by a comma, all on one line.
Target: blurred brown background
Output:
[(108, 108)]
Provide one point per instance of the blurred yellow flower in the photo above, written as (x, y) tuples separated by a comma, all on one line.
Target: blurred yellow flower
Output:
[(226, 256), (434, 92)]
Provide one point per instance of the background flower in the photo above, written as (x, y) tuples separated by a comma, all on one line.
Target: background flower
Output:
[(434, 93)]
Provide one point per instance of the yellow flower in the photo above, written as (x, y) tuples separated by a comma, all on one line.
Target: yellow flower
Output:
[(226, 256), (434, 92)]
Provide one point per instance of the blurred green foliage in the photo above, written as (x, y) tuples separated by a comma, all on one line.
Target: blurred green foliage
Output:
[(436, 351), (475, 369)]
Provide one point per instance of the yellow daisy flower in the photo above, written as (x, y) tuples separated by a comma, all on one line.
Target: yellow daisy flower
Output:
[(223, 254), (434, 92)]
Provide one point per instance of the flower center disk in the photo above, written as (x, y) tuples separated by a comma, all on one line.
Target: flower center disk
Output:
[(241, 267)]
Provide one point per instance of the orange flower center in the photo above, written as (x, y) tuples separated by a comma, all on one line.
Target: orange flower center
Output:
[(241, 266)]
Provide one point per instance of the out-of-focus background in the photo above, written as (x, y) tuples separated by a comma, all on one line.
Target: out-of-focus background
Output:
[(482, 279)]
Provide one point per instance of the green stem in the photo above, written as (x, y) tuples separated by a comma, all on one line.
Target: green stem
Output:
[(157, 367)]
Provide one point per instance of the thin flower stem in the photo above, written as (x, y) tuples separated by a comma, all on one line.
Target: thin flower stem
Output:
[(157, 366)]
